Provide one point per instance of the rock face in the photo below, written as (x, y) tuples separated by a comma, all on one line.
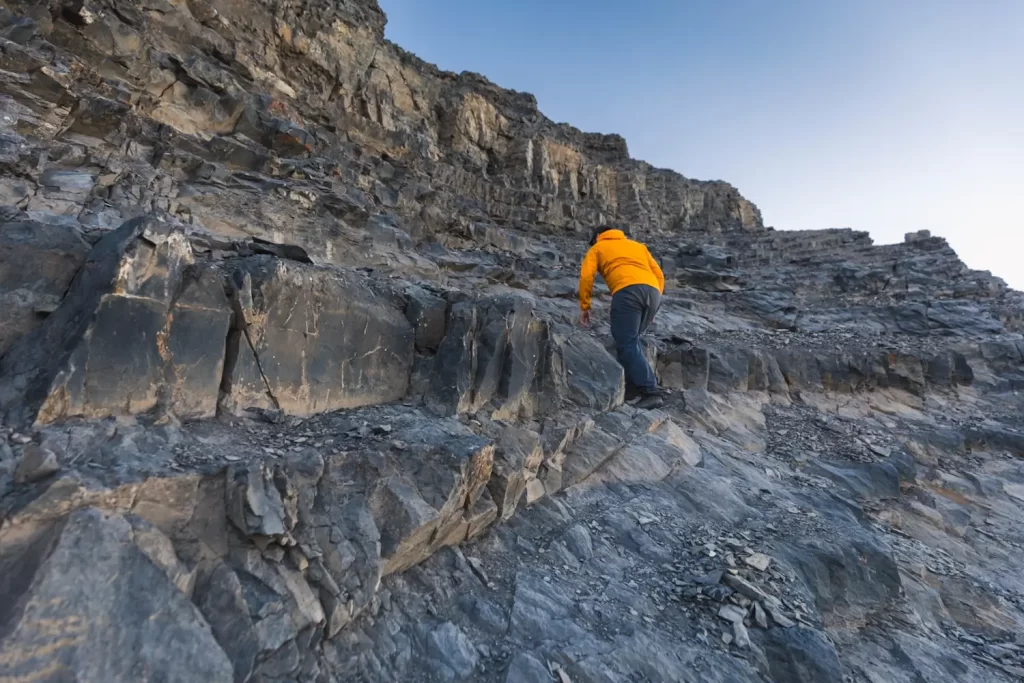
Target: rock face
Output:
[(140, 319), (38, 261), (95, 627), (291, 390), (314, 340)]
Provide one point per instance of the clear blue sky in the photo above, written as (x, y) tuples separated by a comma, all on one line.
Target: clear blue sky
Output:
[(880, 115)]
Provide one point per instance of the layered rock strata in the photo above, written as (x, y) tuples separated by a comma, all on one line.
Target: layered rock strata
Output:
[(291, 389)]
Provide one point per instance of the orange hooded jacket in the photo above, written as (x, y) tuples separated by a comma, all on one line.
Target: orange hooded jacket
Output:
[(621, 262)]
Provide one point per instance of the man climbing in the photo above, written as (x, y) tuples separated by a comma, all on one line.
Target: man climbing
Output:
[(636, 283)]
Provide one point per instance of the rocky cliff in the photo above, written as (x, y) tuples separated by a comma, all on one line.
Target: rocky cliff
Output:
[(291, 391)]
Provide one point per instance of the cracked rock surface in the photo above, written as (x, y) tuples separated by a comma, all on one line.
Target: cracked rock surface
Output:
[(291, 390)]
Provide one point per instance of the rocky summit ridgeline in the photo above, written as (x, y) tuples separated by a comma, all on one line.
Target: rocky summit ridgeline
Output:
[(290, 388)]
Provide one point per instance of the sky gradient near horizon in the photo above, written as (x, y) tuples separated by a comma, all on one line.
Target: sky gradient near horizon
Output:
[(882, 116)]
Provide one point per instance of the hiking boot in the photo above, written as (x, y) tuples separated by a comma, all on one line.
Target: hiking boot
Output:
[(650, 401), (633, 394)]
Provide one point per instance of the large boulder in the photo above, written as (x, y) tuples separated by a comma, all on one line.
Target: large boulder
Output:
[(491, 356), (311, 340), (501, 357), (86, 602), (142, 325)]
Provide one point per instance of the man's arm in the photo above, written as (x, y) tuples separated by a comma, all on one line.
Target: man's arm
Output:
[(656, 269), (587, 273)]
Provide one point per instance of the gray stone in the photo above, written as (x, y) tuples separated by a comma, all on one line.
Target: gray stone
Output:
[(848, 574), (525, 668), (758, 561), (802, 655), (484, 614), (588, 453), (454, 655), (760, 618), (517, 458), (254, 503), (869, 480), (493, 356), (131, 333), (427, 314), (732, 613), (314, 340), (37, 263), (583, 372), (36, 463), (540, 612), (741, 637), (779, 617), (579, 542), (72, 617), (219, 596), (746, 589)]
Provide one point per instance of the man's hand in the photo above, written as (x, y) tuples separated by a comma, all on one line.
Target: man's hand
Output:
[(585, 318)]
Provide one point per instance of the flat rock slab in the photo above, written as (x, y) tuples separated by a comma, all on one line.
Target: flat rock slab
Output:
[(315, 339)]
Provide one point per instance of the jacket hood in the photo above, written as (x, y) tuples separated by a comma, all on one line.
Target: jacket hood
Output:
[(611, 235)]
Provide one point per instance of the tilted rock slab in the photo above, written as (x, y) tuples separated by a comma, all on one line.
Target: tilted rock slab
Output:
[(142, 324), (499, 354), (37, 263), (86, 601)]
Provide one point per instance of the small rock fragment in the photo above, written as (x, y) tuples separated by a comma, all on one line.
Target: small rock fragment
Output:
[(478, 568), (759, 615), (779, 617), (560, 672), (579, 542), (718, 593), (732, 613), (746, 588), (727, 638), (758, 561), (740, 635), (36, 463), (299, 559)]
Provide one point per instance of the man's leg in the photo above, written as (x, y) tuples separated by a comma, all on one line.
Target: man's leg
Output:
[(652, 302), (627, 314)]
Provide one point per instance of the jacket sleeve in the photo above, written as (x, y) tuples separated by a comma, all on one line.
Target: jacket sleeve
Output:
[(656, 269), (587, 273)]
